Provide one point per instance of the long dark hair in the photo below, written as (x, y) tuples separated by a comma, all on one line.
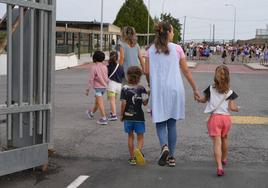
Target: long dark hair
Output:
[(161, 37), (113, 57)]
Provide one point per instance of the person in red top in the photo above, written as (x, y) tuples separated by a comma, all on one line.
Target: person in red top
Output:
[(98, 79)]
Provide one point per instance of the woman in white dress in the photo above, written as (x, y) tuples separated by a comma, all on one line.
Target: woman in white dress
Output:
[(164, 60)]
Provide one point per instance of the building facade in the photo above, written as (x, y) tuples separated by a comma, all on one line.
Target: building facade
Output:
[(262, 33)]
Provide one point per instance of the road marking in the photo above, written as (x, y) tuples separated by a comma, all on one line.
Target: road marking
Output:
[(78, 181), (251, 120)]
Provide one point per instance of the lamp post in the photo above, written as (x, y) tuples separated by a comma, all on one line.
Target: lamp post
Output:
[(231, 5), (163, 4), (101, 30), (148, 24)]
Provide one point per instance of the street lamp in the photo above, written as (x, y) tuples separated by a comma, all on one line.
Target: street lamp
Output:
[(163, 3), (101, 30), (231, 5)]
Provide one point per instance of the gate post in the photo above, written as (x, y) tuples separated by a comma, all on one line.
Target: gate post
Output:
[(29, 107)]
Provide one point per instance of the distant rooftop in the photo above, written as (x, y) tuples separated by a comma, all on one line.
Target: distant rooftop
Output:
[(81, 24)]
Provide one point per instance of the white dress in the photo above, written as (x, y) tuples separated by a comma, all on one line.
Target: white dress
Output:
[(167, 89)]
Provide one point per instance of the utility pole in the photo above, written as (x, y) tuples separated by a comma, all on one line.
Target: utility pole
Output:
[(213, 35), (148, 24), (231, 5), (183, 36), (163, 3), (101, 34), (209, 32)]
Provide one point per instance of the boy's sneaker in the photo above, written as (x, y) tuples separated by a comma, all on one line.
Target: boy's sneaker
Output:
[(139, 157), (90, 115), (132, 161), (102, 121), (112, 117), (163, 156), (171, 162)]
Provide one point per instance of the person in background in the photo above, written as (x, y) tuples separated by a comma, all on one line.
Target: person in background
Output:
[(130, 52), (116, 75), (98, 79)]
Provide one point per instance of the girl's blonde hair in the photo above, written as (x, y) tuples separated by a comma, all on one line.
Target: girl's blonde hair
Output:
[(222, 79), (161, 37), (129, 35)]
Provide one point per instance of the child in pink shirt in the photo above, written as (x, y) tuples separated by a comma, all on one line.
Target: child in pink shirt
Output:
[(98, 79)]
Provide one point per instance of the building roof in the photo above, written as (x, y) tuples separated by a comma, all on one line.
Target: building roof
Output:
[(81, 24)]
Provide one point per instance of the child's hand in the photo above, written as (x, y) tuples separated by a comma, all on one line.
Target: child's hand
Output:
[(144, 96), (87, 91), (121, 118)]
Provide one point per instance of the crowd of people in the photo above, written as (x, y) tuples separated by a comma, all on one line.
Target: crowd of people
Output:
[(236, 53), (164, 63)]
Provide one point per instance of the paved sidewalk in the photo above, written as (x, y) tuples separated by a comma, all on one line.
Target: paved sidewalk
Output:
[(256, 66)]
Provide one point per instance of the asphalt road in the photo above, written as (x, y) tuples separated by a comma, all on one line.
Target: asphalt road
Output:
[(85, 148)]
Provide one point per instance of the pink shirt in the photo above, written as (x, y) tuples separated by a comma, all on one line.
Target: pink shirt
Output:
[(178, 49), (98, 76)]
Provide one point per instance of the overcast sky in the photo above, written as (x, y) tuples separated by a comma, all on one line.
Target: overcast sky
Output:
[(200, 15)]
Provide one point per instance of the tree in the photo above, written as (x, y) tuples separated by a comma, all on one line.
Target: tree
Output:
[(134, 13), (175, 24)]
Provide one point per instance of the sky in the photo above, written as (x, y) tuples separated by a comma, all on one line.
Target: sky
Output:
[(200, 15)]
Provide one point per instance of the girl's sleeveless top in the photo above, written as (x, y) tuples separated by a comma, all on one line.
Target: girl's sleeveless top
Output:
[(130, 56)]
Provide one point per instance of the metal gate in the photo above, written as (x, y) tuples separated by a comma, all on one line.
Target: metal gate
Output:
[(30, 28)]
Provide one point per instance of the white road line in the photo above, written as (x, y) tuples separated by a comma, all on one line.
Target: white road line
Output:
[(78, 181)]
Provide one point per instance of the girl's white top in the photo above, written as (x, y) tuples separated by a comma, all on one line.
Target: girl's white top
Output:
[(215, 99)]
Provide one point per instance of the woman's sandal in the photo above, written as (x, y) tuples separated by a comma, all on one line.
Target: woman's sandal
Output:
[(171, 162)]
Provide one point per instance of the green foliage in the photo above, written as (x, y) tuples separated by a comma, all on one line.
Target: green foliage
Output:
[(176, 25), (3, 35), (134, 13)]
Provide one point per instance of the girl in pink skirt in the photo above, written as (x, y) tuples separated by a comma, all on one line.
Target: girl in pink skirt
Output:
[(220, 101)]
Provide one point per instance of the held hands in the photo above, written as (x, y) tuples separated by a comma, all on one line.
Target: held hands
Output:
[(197, 96), (144, 97)]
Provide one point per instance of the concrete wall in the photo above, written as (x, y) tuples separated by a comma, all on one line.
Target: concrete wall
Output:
[(65, 61), (62, 62), (3, 64)]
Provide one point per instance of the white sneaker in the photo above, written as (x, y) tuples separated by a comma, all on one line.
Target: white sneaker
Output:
[(90, 115), (102, 121)]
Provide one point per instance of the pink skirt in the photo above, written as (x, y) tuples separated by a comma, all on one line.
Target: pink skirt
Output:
[(219, 125)]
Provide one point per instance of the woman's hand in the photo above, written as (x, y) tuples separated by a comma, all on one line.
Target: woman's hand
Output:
[(197, 96)]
